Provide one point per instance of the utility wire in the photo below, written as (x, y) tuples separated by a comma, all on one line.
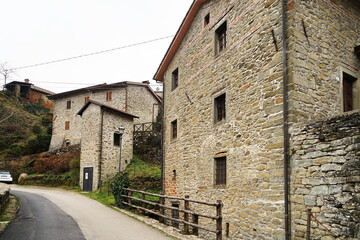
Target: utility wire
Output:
[(90, 54)]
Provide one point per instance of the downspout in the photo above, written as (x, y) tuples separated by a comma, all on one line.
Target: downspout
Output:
[(101, 147), (163, 143), (285, 123)]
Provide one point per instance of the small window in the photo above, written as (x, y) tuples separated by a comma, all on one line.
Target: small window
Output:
[(116, 139), (220, 108), (174, 129), (68, 104), (206, 19), (175, 79), (350, 92), (67, 125), (87, 99), (220, 171), (221, 38), (108, 96)]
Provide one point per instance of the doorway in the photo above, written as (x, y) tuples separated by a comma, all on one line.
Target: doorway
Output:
[(88, 179)]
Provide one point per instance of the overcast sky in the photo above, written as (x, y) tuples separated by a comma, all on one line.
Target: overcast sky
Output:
[(38, 31)]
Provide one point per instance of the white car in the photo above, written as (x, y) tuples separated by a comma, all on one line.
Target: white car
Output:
[(5, 177)]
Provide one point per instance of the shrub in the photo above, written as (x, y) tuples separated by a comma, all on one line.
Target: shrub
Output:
[(53, 164), (119, 182)]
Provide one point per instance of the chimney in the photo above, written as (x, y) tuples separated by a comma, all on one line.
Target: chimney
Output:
[(27, 80)]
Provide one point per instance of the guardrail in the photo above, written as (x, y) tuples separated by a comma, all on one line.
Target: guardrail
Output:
[(187, 212)]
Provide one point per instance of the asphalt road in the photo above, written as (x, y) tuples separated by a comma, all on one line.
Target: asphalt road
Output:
[(40, 219), (96, 221)]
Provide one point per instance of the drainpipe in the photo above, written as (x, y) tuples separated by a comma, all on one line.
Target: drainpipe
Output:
[(101, 146), (163, 143), (285, 123)]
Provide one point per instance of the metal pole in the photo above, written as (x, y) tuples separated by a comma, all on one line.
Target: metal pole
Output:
[(308, 224), (120, 152)]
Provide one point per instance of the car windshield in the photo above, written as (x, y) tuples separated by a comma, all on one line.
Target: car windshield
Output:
[(1, 172)]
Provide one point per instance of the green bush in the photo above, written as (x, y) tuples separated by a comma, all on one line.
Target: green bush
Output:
[(119, 182)]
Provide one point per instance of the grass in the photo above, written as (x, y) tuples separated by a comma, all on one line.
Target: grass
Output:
[(103, 197), (139, 168)]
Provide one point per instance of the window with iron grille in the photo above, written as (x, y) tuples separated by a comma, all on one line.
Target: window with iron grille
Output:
[(221, 38), (220, 108), (174, 129), (350, 92), (175, 79), (67, 125), (108, 96), (68, 104), (220, 171)]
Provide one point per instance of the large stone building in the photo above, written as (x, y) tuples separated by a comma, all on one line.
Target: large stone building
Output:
[(237, 76), (93, 116), (131, 97)]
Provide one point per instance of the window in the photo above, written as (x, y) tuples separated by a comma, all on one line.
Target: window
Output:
[(220, 171), (116, 139), (174, 129), (108, 96), (206, 19), (68, 104), (87, 98), (350, 92), (67, 125), (220, 108), (221, 38), (175, 79)]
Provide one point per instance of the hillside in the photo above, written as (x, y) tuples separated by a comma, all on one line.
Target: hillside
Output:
[(25, 128)]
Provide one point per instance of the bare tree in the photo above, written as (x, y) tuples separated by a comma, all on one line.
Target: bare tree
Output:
[(5, 70)]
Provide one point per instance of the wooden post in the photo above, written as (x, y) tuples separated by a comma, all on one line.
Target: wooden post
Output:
[(195, 230), (130, 195), (162, 210), (219, 220), (186, 215), (308, 224), (142, 203)]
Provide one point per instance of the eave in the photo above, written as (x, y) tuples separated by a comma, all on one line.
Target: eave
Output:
[(179, 37)]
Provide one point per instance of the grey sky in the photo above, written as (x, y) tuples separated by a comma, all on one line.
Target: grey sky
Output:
[(38, 31)]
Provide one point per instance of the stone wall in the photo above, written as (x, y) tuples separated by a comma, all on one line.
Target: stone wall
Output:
[(4, 195), (326, 177), (249, 72), (322, 35)]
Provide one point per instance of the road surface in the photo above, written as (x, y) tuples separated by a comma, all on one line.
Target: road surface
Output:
[(96, 221)]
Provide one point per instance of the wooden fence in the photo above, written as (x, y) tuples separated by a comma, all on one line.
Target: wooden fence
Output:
[(190, 218)]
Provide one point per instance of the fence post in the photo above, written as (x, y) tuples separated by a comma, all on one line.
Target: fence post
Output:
[(143, 204), (308, 224), (218, 220), (162, 210), (195, 230), (186, 215)]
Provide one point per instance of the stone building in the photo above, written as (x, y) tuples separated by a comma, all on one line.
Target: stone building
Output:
[(104, 152), (131, 97), (31, 93), (237, 77)]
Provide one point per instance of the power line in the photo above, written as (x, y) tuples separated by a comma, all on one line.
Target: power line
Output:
[(90, 54)]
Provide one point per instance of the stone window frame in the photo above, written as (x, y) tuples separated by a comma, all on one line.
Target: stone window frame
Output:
[(68, 104), (221, 37), (216, 101), (355, 88), (220, 161), (174, 130), (174, 79)]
